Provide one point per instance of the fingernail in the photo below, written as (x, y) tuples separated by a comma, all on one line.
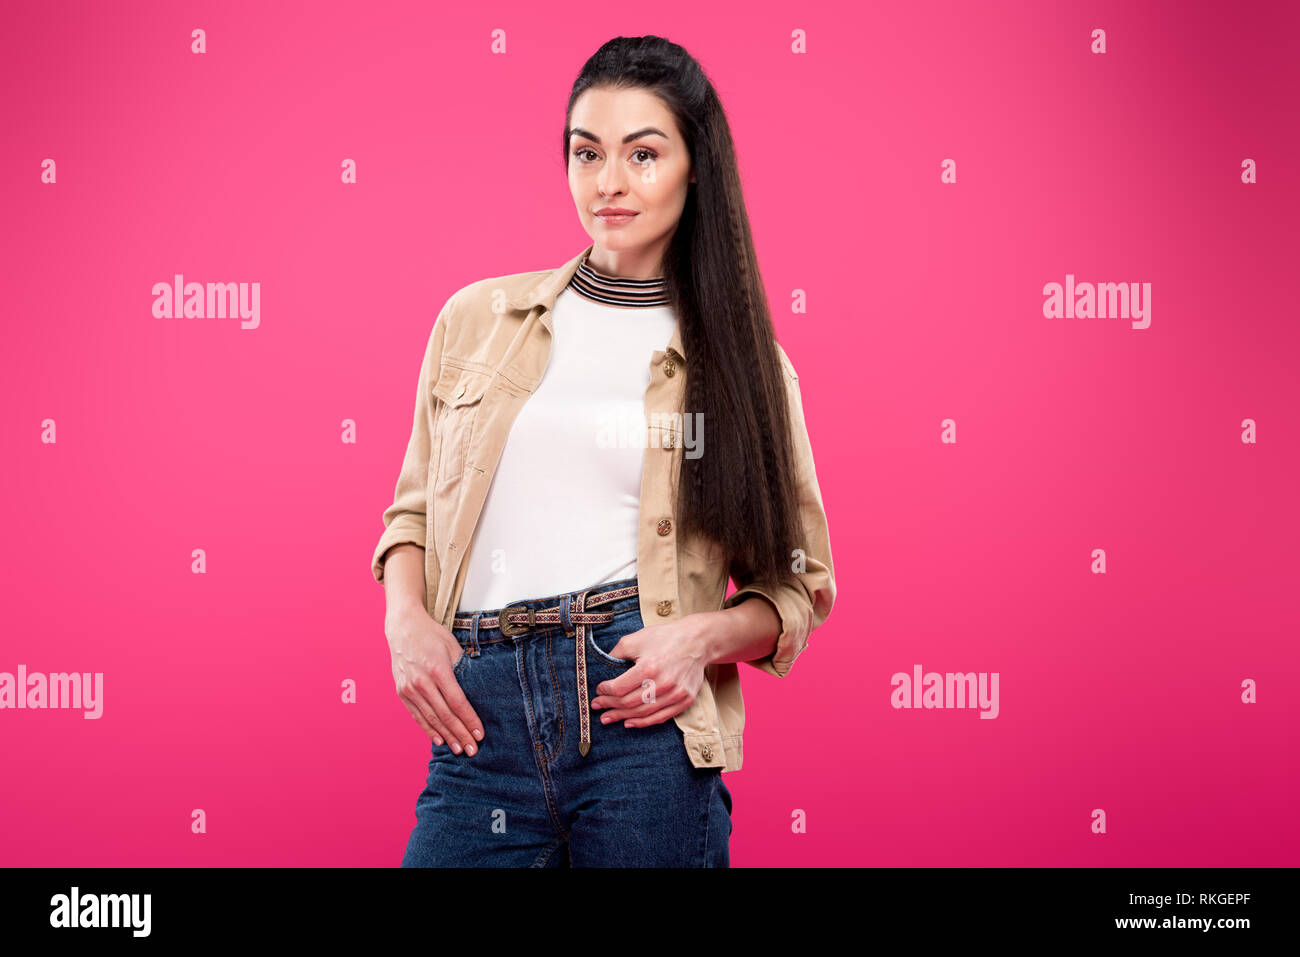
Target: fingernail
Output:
[(438, 741), (595, 706), (455, 746), (470, 750), (478, 734), (604, 719)]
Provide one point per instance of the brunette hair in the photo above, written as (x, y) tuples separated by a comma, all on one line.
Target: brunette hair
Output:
[(742, 492)]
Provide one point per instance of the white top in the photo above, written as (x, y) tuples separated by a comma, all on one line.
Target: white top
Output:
[(562, 511)]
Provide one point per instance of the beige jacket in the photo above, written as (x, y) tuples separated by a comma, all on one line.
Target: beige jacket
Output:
[(486, 354)]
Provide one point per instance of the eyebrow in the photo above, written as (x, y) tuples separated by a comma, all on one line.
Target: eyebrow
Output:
[(648, 131)]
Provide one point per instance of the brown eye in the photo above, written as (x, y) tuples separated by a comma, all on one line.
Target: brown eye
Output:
[(651, 154)]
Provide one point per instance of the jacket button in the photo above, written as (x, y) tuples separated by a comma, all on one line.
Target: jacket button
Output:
[(665, 526), (665, 607), (670, 367), (461, 391), (707, 751)]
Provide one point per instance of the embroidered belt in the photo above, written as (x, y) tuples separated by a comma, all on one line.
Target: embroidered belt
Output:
[(518, 620)]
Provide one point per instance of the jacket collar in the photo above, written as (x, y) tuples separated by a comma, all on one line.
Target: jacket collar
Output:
[(545, 291)]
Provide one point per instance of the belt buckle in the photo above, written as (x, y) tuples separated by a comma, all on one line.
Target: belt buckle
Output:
[(521, 628)]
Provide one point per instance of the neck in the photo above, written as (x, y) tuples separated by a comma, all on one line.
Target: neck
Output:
[(640, 263)]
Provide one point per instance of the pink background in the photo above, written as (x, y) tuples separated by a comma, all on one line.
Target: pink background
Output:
[(1119, 691)]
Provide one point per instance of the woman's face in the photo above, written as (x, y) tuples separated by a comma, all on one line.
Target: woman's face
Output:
[(626, 153)]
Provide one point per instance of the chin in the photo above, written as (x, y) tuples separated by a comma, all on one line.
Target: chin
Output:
[(614, 240)]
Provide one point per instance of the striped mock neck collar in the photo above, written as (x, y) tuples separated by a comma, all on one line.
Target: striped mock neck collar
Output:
[(613, 291)]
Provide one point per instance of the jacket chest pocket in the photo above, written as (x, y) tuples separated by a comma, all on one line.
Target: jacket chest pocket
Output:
[(459, 392)]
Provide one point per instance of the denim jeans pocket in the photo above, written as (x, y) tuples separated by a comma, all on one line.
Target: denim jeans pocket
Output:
[(603, 637), (459, 667)]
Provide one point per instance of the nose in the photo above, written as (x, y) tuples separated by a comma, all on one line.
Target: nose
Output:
[(612, 180)]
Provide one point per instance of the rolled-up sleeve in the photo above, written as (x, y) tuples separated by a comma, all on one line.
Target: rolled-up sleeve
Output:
[(806, 603), (405, 520)]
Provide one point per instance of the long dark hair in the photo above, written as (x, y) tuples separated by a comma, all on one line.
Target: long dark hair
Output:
[(741, 493)]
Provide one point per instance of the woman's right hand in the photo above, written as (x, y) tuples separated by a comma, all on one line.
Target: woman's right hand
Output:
[(424, 656)]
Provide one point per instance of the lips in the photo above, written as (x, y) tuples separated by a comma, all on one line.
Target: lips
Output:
[(614, 211), (615, 217)]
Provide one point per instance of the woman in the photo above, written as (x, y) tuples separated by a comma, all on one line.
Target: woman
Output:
[(563, 529)]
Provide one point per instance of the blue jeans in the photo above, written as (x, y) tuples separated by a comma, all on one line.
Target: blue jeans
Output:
[(528, 798)]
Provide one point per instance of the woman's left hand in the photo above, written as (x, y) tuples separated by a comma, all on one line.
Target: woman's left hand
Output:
[(669, 670)]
